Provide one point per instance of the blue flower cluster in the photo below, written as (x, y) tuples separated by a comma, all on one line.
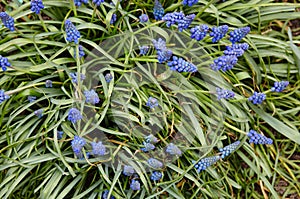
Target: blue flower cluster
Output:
[(163, 53), (224, 62), (180, 65), (236, 49), (91, 97), (98, 148), (154, 163), (227, 150), (199, 32), (151, 139), (79, 2), (218, 33), (74, 77), (158, 10), (7, 21), (279, 86), (113, 18), (98, 2), (72, 33), (4, 63), (257, 98), (152, 102), (147, 147), (206, 162), (39, 113), (74, 115), (77, 144), (258, 138), (156, 176), (224, 94), (48, 84), (144, 18), (135, 185), (3, 96), (172, 149), (105, 195), (128, 170), (180, 19), (31, 98), (80, 51), (108, 77), (36, 6), (189, 2), (144, 50), (160, 44), (238, 34)]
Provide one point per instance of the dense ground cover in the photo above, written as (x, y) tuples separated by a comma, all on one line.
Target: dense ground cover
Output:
[(65, 135)]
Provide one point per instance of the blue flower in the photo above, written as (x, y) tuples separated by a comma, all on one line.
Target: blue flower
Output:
[(151, 139), (148, 147), (4, 63), (257, 98), (105, 195), (74, 77), (181, 65), (3, 96), (152, 102), (173, 150), (206, 162), (79, 2), (227, 150), (98, 148), (31, 98), (36, 6), (224, 94), (236, 49), (173, 18), (199, 32), (113, 19), (108, 77), (128, 170), (7, 21), (238, 34), (91, 97), (72, 33), (279, 86), (154, 163), (77, 144), (80, 51), (158, 10), (74, 115), (39, 113), (98, 2), (60, 134), (160, 44), (163, 55), (258, 138), (135, 185), (224, 63), (189, 2), (218, 33), (144, 50), (143, 18), (156, 176), (185, 22), (48, 84)]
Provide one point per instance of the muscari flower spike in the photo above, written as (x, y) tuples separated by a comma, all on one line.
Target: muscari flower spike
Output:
[(72, 33), (257, 98), (135, 185), (79, 2), (180, 65), (80, 51), (147, 147), (279, 86), (113, 19), (185, 22), (224, 94), (238, 34), (36, 6), (7, 21), (98, 2), (74, 77), (206, 162), (156, 176), (152, 102), (164, 55), (3, 96), (48, 83), (108, 77), (4, 63), (224, 63), (154, 163), (227, 150), (74, 115), (151, 139), (158, 10), (144, 50), (218, 33), (173, 18), (258, 138), (144, 18), (105, 195), (160, 44), (39, 113), (236, 49), (91, 97), (31, 98), (199, 32), (189, 2), (77, 144), (98, 148), (128, 170), (172, 149)]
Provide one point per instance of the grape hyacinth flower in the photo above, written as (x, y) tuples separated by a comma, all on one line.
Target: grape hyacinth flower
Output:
[(224, 63), (98, 2), (185, 22), (154, 163), (74, 77), (36, 6), (279, 86), (151, 139), (147, 147), (257, 98), (258, 138), (135, 185), (236, 49), (160, 44), (77, 144), (158, 10), (91, 97), (224, 94), (238, 34), (128, 170), (152, 102), (72, 33), (113, 19), (105, 195), (98, 148), (79, 2), (227, 150), (189, 2), (206, 162), (108, 77), (199, 32), (144, 50), (7, 21), (48, 83), (156, 176), (163, 55), (39, 113), (80, 51), (4, 63), (31, 98), (180, 65), (173, 150), (173, 18), (143, 18), (218, 33), (74, 115), (60, 134), (3, 96)]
